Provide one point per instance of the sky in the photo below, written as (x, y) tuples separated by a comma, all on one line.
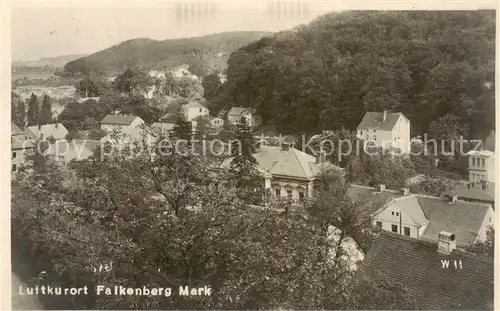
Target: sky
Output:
[(53, 29)]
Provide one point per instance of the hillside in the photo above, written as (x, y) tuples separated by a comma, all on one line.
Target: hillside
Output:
[(437, 67), (203, 54), (56, 61)]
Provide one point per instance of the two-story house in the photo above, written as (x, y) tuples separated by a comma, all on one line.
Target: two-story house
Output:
[(193, 110), (423, 217), (481, 165), (113, 122), (386, 130), (250, 114)]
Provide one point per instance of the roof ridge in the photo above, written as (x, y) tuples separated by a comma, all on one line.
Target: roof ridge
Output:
[(459, 201), (300, 162)]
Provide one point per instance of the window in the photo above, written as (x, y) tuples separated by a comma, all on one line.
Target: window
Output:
[(289, 193), (360, 132), (200, 109), (374, 131), (394, 228), (13, 154), (407, 231), (392, 213), (473, 161), (14, 167), (482, 162), (379, 225), (301, 195), (397, 214), (277, 192)]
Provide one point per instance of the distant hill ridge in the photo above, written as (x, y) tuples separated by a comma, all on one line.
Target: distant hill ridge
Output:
[(203, 54)]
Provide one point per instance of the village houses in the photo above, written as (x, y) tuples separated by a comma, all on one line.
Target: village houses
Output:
[(250, 114), (63, 151), (386, 130)]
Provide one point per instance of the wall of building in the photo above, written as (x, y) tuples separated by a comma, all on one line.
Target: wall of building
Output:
[(193, 113), (283, 186), (387, 218), (489, 219), (478, 171), (402, 131)]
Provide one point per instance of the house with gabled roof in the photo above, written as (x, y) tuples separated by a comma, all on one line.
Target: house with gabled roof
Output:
[(292, 172), (423, 217), (437, 274), (235, 114), (386, 130), (193, 110), (40, 132), (113, 122)]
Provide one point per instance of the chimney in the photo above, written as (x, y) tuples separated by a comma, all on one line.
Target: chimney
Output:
[(385, 115), (285, 147), (453, 199), (39, 127), (56, 125), (484, 185), (446, 243), (381, 188), (406, 191)]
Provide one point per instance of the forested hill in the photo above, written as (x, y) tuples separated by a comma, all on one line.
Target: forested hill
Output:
[(432, 66), (203, 54)]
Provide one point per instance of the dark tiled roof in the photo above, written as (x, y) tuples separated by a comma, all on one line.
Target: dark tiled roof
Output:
[(118, 119), (473, 193), (417, 264), (464, 219), (374, 120)]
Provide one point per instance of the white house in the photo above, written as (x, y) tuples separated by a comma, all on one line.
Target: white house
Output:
[(423, 217), (250, 114), (385, 130), (193, 110), (112, 122), (481, 166)]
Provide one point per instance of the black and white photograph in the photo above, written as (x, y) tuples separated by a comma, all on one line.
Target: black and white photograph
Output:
[(231, 155)]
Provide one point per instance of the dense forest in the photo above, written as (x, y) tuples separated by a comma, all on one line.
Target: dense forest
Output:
[(203, 54), (432, 66)]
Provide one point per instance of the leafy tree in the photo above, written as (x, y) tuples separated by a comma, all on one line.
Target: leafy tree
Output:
[(212, 86), (485, 248), (17, 110), (182, 130), (91, 86), (46, 114), (33, 110), (75, 115), (132, 80), (447, 131), (434, 187), (304, 80)]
